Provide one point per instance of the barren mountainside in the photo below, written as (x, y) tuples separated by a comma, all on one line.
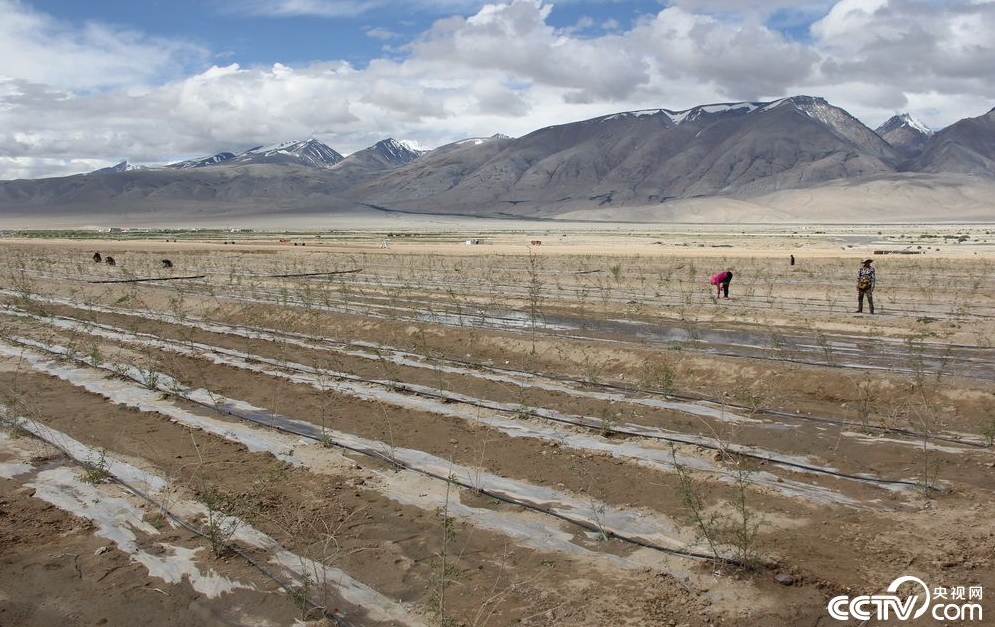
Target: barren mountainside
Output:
[(631, 159), (905, 134), (966, 147)]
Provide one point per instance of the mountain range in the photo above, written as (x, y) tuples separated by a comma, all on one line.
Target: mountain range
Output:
[(639, 165)]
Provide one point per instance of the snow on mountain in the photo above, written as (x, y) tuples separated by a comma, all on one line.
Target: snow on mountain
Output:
[(903, 120), (687, 115), (966, 146), (696, 113), (837, 119), (840, 121), (916, 124), (412, 146), (221, 157), (382, 157), (396, 152), (476, 141), (124, 166), (906, 134), (643, 158), (311, 152)]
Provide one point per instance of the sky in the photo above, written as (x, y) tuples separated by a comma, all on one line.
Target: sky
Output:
[(88, 84)]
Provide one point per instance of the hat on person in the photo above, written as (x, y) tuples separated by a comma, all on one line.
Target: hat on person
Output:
[(868, 260)]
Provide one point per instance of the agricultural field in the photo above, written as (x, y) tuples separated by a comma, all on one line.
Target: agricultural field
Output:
[(554, 429)]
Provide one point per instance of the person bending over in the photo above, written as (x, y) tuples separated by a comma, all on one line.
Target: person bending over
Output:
[(721, 282)]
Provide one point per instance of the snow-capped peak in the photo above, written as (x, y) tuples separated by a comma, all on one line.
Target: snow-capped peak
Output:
[(695, 113), (123, 166), (915, 123), (202, 162), (904, 120), (476, 141), (687, 115), (311, 152), (412, 145), (271, 148), (396, 152)]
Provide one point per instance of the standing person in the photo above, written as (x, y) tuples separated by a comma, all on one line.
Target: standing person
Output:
[(792, 260), (721, 281), (865, 286)]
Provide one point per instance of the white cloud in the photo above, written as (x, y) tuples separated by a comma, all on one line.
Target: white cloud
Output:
[(515, 41), (740, 62), (901, 53), (37, 49), (30, 167), (381, 33), (75, 99)]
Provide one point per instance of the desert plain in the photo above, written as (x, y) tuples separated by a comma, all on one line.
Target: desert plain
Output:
[(534, 424)]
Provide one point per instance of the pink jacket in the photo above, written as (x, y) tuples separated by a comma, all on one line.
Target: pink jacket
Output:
[(718, 277)]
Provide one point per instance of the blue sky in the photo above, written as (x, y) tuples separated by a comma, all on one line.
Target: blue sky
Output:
[(265, 32), (86, 84)]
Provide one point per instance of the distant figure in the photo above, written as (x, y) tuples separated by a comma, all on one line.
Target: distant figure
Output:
[(109, 260), (384, 243), (97, 258), (167, 264), (792, 260), (865, 286), (721, 281)]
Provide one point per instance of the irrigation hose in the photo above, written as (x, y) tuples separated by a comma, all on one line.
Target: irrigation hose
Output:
[(768, 412), (671, 439), (291, 592), (583, 524)]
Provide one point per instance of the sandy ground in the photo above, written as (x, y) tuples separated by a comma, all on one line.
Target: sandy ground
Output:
[(906, 198), (576, 432)]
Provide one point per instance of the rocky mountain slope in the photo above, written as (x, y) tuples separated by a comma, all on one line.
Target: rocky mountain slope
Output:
[(644, 159), (965, 147), (907, 135)]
